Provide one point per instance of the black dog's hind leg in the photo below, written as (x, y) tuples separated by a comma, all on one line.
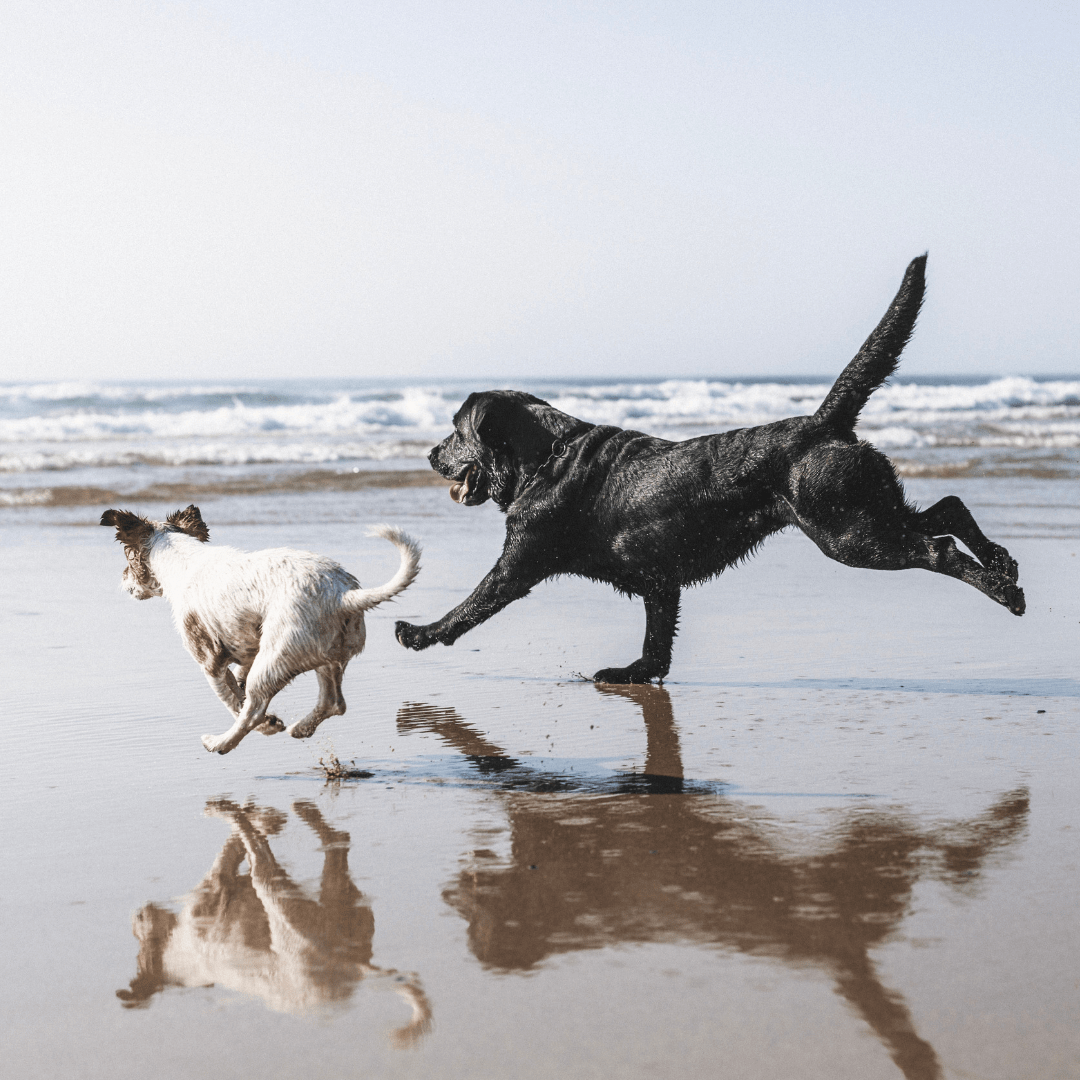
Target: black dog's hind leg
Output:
[(849, 501), (661, 623), (867, 544), (942, 556), (950, 515)]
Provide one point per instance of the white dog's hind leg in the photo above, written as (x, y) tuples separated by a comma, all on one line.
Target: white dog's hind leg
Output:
[(261, 688), (330, 702), (252, 715), (272, 725), (230, 691), (224, 685), (339, 674)]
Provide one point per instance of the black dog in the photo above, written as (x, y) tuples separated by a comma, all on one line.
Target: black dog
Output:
[(651, 516)]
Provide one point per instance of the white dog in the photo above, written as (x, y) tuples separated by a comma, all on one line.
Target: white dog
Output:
[(274, 613)]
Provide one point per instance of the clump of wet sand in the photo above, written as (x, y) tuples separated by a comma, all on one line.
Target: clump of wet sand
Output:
[(335, 770)]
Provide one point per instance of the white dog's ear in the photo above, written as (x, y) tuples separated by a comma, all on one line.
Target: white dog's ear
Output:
[(190, 521), (130, 528)]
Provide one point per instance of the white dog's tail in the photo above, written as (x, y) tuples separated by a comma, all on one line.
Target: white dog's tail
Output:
[(364, 599)]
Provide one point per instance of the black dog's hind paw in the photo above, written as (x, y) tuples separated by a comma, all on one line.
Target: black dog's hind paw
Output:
[(637, 672), (413, 637), (1014, 599), (1001, 562)]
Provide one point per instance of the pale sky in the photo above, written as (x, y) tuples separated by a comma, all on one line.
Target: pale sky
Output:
[(406, 188)]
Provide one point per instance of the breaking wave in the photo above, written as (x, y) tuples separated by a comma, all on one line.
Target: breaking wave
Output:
[(47, 427)]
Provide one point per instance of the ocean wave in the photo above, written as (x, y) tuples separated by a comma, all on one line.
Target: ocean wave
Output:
[(26, 497), (413, 410), (999, 394), (720, 405), (111, 393), (121, 455), (56, 426), (889, 438)]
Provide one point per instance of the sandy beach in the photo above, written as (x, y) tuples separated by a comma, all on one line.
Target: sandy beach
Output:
[(843, 840)]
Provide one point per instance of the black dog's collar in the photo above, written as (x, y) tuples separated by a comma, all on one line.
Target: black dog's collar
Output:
[(558, 449)]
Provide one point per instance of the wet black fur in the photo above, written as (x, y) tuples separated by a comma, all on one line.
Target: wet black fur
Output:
[(651, 516)]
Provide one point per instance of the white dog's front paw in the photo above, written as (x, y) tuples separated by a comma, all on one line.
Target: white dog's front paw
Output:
[(215, 744), (302, 729)]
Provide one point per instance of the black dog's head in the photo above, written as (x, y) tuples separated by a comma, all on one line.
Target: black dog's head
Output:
[(501, 437)]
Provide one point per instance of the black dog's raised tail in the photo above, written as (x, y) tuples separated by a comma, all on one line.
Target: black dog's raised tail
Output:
[(880, 354)]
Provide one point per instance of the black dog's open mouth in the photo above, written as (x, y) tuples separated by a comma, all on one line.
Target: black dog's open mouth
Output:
[(462, 489)]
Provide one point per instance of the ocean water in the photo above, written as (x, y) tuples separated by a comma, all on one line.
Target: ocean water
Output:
[(83, 443)]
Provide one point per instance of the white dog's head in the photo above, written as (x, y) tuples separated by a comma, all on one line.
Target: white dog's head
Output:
[(137, 535)]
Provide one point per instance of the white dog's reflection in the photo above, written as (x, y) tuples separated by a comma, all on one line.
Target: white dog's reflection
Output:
[(259, 934)]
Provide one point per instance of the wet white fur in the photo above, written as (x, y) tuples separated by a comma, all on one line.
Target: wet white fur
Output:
[(278, 613)]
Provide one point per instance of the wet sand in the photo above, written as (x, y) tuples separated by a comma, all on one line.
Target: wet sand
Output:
[(282, 481), (842, 841)]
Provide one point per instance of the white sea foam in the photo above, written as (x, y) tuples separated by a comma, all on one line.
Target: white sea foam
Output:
[(897, 437), (57, 426), (234, 452), (116, 392), (24, 497), (415, 410)]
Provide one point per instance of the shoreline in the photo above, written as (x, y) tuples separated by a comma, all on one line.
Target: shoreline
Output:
[(314, 480), (202, 484)]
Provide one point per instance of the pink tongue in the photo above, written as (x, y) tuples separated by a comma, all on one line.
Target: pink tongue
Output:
[(459, 492)]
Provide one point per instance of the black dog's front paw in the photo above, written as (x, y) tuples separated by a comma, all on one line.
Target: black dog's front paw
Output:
[(413, 637), (637, 672)]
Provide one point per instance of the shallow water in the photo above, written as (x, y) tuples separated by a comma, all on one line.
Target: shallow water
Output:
[(841, 841)]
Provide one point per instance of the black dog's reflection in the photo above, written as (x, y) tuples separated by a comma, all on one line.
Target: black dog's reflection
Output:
[(587, 872), (258, 933)]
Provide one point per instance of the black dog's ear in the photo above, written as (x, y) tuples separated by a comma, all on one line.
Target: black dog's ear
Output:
[(190, 521), (130, 528), (493, 422), (508, 426)]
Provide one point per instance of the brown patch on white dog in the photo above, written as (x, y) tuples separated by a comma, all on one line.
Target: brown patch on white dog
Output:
[(134, 532), (190, 521), (209, 653), (130, 528)]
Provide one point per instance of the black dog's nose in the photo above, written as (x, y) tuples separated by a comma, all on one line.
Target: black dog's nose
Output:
[(433, 457)]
